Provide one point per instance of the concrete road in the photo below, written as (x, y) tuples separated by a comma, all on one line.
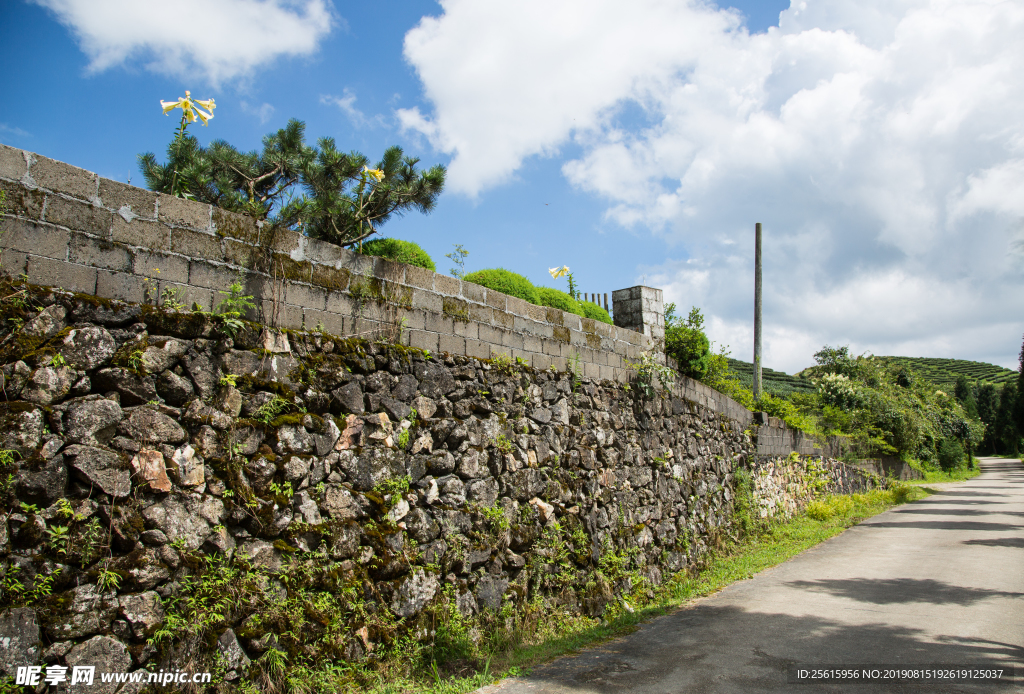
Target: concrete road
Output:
[(938, 581)]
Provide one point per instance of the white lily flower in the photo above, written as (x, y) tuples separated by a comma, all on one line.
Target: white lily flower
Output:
[(189, 110), (373, 173), (557, 272)]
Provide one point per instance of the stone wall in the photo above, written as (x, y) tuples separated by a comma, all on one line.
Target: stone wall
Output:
[(70, 228), (376, 487)]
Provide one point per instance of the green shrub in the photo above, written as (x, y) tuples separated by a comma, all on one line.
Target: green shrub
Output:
[(686, 342), (950, 454), (400, 251), (546, 296), (592, 310), (501, 280)]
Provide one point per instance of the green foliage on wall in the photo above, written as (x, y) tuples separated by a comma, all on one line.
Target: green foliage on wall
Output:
[(400, 251), (504, 281)]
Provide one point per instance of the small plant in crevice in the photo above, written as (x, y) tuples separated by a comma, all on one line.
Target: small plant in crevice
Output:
[(648, 371), (233, 306)]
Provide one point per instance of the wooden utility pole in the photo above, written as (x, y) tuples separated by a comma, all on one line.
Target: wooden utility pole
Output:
[(757, 310)]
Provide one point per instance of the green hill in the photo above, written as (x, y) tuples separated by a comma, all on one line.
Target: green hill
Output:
[(944, 372), (775, 382)]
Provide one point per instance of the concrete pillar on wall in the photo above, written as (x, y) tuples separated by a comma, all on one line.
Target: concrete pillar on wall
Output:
[(641, 309)]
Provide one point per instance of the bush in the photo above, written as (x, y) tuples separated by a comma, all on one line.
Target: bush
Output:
[(592, 310), (501, 280), (686, 342), (400, 251), (950, 454), (546, 296)]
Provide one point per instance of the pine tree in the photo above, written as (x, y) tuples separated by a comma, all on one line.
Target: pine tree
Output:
[(963, 394), (1018, 409)]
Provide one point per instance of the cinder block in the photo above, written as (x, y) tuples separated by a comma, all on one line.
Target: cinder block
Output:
[(572, 321), (495, 299), (331, 277), (532, 343), (99, 253), (451, 344), (435, 322), (12, 263), (414, 318), (389, 270), (537, 313), (502, 319), (480, 314), (478, 349), (419, 277), (490, 334), (318, 251), (182, 212), (524, 355), (591, 370), (356, 263), (119, 285), (23, 201), (160, 266), (334, 324), (196, 244), (449, 286), (470, 329), (139, 232), (541, 361), (551, 348), (517, 306), (603, 329), (209, 276), (290, 317), (284, 240), (421, 339), (427, 299), (607, 373), (58, 273), (78, 216), (119, 196), (305, 296), (12, 163), (234, 225), (63, 178), (37, 239), (474, 292), (498, 350), (337, 302), (513, 340), (560, 363), (241, 254)]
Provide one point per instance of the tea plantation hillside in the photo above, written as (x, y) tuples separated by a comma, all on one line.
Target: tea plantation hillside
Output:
[(775, 382), (944, 372)]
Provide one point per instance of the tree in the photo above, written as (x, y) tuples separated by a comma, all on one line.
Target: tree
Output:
[(1007, 435), (343, 200), (686, 342), (988, 406), (1018, 408), (836, 360), (962, 392)]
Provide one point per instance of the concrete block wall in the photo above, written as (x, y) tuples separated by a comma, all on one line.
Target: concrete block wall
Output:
[(70, 228), (641, 309)]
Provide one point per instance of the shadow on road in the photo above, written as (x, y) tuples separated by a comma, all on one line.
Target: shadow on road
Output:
[(901, 590), (726, 649), (954, 512), (1005, 542), (943, 525)]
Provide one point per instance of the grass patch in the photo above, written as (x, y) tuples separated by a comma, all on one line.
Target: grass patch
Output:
[(955, 475), (539, 636)]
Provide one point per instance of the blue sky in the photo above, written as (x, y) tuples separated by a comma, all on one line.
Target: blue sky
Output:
[(879, 142)]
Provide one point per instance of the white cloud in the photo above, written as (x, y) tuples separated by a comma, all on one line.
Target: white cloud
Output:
[(878, 140), (263, 112), (217, 39), (347, 103)]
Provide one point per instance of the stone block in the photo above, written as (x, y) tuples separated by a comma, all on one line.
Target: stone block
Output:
[(470, 329), (188, 295), (478, 349), (123, 286), (414, 318), (449, 286), (513, 340), (517, 306), (427, 300), (78, 216), (12, 163), (182, 212), (357, 263), (23, 201), (241, 254), (572, 321), (210, 276), (532, 343), (421, 339), (235, 226), (281, 315), (322, 252), (99, 253), (498, 350), (140, 232), (490, 334), (63, 178), (474, 292), (37, 239), (419, 277), (59, 273), (305, 296), (480, 313), (196, 244), (451, 344), (389, 270), (118, 196), (536, 313), (340, 303), (160, 266), (591, 370), (438, 323), (334, 323), (560, 363), (331, 277), (551, 348), (541, 361), (524, 355), (495, 299), (12, 263), (502, 319), (284, 240)]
